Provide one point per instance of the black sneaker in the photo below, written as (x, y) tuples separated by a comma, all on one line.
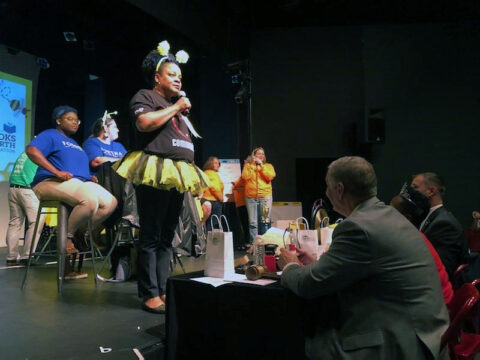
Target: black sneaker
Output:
[(12, 263)]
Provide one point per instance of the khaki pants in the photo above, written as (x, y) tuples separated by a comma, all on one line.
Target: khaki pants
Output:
[(23, 204), (88, 199)]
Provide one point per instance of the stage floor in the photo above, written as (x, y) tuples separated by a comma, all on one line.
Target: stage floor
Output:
[(37, 323)]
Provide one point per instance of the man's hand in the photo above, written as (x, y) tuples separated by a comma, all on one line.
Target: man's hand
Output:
[(94, 179), (304, 257), (287, 257)]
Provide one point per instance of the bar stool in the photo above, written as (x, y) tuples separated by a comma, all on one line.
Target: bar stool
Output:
[(62, 210), (123, 231)]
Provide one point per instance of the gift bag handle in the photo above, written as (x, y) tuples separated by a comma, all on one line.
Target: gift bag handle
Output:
[(226, 222), (218, 221), (304, 220), (322, 224)]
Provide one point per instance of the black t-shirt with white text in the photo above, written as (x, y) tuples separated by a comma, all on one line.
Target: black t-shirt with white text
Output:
[(172, 140)]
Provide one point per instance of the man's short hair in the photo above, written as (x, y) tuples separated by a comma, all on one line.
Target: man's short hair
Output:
[(433, 179), (356, 174)]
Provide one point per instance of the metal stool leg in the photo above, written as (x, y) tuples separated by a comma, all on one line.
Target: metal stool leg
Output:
[(112, 248), (92, 250), (62, 222), (32, 245)]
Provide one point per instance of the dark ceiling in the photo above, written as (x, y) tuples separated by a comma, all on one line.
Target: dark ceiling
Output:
[(293, 13), (106, 27)]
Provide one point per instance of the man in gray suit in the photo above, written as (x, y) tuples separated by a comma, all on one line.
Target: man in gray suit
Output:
[(389, 301)]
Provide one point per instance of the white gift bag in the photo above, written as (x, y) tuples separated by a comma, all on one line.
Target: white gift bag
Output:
[(326, 233), (308, 239), (219, 257)]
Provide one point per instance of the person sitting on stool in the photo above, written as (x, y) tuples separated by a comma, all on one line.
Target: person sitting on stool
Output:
[(63, 175)]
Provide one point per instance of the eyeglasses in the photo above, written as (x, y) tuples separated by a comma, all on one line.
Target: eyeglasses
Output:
[(71, 119)]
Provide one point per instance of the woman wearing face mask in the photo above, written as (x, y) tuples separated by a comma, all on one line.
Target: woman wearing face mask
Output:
[(102, 146), (161, 165), (257, 175), (214, 194)]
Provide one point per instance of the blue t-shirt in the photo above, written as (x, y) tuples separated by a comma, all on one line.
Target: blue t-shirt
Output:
[(63, 152), (95, 148)]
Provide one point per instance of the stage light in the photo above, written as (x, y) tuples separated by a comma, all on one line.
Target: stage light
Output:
[(43, 63), (69, 36), (240, 95)]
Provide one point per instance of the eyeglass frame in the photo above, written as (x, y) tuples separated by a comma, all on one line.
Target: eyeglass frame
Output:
[(70, 120)]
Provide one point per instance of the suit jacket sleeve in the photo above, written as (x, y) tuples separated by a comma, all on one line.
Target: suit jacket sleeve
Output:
[(348, 261), (448, 241)]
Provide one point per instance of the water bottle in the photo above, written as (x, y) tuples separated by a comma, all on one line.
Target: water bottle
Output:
[(258, 250), (293, 239)]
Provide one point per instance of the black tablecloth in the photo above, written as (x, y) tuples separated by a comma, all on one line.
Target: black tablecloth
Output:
[(233, 321)]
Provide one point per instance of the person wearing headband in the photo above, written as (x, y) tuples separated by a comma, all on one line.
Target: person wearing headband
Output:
[(63, 175), (102, 146), (161, 166), (258, 176)]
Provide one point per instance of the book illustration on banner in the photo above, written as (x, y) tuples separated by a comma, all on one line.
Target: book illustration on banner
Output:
[(15, 121)]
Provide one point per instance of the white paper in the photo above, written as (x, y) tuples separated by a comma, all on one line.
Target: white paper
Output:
[(229, 172), (243, 279), (212, 281)]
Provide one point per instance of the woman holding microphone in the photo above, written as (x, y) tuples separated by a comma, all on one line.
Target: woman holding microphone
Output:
[(258, 176), (161, 166)]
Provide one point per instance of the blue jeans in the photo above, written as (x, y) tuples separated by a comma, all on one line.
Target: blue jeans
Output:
[(254, 209)]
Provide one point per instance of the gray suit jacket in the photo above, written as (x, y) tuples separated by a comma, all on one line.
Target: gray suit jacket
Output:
[(390, 303)]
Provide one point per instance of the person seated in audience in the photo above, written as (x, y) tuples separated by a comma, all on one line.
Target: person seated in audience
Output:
[(63, 174), (102, 146), (388, 300), (415, 206), (440, 226)]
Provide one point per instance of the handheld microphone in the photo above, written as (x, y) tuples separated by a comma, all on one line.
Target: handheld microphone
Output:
[(184, 94)]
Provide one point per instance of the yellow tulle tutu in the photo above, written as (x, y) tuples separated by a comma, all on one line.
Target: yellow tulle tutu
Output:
[(161, 173)]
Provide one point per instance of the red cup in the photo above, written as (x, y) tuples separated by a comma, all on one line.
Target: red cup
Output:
[(270, 262)]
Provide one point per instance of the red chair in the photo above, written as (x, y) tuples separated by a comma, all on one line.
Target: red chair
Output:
[(473, 240), (457, 277), (463, 310)]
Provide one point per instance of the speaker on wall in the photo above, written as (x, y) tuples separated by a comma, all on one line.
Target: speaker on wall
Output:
[(374, 131)]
